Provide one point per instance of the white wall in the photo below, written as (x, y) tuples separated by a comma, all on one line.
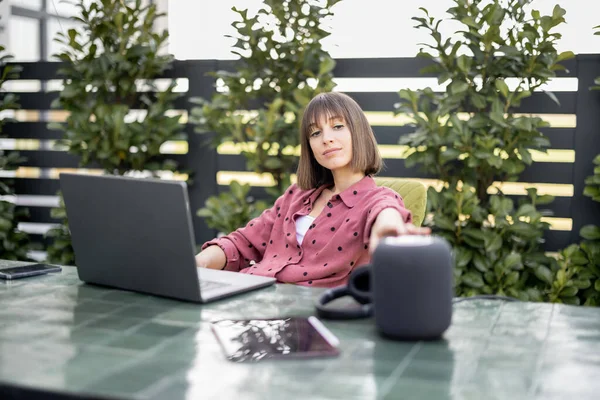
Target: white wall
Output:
[(4, 18), (360, 28)]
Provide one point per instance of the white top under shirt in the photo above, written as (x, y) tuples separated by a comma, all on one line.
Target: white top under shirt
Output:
[(302, 225)]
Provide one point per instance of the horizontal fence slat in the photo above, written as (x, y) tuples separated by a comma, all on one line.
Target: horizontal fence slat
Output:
[(540, 102), (30, 130), (548, 173), (63, 159), (397, 168), (537, 103), (191, 69), (381, 68), (48, 70), (391, 134), (556, 240), (36, 100), (560, 138), (403, 68), (537, 172), (40, 240), (397, 67), (42, 101), (34, 186), (39, 70), (39, 214), (231, 162), (256, 192), (560, 207), (39, 130), (51, 159)]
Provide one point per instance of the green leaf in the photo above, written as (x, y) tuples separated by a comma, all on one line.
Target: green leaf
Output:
[(273, 163), (478, 101), (502, 87), (552, 97), (526, 210), (237, 190), (474, 233), (444, 222), (511, 278), (544, 199), (565, 55), (327, 65), (543, 273), (469, 21), (558, 12), (590, 232), (481, 263), (450, 154), (561, 277), (473, 280), (523, 123), (582, 283), (458, 87), (571, 300), (501, 206), (72, 34), (524, 230), (462, 257), (569, 291), (463, 62), (494, 244), (513, 261), (579, 258), (497, 113)]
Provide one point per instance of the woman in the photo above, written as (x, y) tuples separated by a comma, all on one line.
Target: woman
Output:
[(328, 223)]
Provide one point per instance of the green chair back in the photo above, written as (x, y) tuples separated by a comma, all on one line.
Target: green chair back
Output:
[(414, 194)]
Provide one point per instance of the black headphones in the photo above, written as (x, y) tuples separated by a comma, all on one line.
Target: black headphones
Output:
[(359, 286)]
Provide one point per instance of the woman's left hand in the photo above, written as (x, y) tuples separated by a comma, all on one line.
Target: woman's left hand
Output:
[(389, 223)]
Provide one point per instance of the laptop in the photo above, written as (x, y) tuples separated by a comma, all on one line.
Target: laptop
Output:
[(137, 234)]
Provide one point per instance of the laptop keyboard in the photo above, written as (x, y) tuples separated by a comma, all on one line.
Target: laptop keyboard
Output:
[(210, 285)]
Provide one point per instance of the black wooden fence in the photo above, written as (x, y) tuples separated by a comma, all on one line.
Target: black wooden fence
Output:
[(204, 162)]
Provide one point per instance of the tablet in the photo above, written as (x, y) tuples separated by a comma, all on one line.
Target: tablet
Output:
[(291, 337), (24, 271)]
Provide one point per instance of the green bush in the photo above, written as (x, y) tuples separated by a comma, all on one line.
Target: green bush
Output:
[(282, 66), (109, 56), (60, 251), (105, 60), (14, 244), (577, 281), (230, 210), (470, 137)]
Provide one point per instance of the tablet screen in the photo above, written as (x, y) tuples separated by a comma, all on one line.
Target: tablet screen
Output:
[(257, 339)]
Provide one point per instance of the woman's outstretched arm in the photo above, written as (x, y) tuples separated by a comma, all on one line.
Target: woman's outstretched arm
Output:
[(389, 222)]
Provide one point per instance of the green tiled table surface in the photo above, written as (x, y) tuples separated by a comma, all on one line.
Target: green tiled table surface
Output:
[(58, 334)]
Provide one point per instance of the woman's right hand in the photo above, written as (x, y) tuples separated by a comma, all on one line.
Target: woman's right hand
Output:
[(212, 257)]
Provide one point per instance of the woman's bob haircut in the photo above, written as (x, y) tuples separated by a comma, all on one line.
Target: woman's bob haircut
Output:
[(365, 154)]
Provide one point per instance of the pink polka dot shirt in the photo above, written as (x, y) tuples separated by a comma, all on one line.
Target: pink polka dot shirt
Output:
[(336, 242)]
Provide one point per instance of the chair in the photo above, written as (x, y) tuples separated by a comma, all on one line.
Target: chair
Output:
[(413, 193)]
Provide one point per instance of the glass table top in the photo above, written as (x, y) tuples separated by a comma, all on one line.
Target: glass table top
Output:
[(61, 335)]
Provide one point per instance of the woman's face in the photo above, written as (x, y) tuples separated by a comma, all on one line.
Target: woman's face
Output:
[(331, 143)]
